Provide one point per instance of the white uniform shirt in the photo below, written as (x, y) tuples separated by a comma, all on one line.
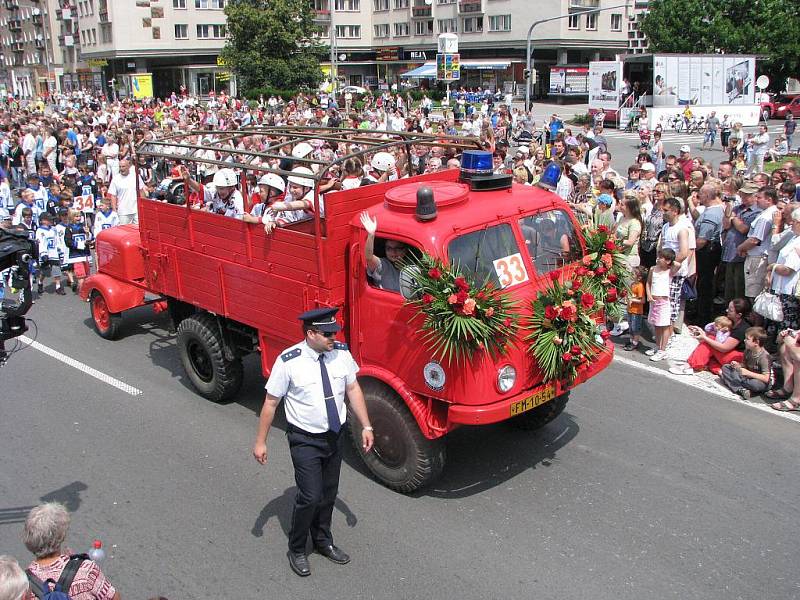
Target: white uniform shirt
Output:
[(232, 207), (296, 377), (103, 221), (124, 188)]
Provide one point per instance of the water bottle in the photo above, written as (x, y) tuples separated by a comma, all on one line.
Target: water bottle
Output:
[(97, 553)]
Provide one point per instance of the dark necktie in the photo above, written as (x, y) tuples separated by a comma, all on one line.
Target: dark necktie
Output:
[(330, 403)]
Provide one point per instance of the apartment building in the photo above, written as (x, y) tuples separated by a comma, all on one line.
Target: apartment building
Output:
[(178, 41), (637, 41), (379, 40)]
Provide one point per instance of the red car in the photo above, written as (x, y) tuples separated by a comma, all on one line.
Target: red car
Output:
[(785, 105)]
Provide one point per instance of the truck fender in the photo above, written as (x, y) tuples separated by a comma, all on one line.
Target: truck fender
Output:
[(119, 295), (429, 413)]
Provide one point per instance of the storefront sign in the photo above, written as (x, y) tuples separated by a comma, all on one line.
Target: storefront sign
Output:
[(97, 62), (417, 55), (388, 54), (142, 85)]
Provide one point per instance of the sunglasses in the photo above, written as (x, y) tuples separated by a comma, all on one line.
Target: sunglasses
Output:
[(327, 334)]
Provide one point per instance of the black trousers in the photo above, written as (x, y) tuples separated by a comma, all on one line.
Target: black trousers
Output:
[(317, 460), (708, 259)]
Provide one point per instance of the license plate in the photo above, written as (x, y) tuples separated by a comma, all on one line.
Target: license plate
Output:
[(544, 395)]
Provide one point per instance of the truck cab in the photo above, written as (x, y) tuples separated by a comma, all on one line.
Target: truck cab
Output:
[(232, 289)]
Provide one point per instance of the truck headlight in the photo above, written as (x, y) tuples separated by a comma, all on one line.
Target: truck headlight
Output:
[(506, 378), (434, 376)]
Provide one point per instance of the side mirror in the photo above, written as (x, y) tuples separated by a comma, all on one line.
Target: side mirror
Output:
[(408, 281)]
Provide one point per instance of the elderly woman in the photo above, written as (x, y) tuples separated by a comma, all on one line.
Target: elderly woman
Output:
[(782, 275), (710, 354), (44, 534), (13, 581), (789, 394)]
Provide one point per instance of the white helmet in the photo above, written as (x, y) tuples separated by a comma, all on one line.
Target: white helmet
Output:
[(382, 161), (274, 181), (225, 178), (302, 176), (302, 150)]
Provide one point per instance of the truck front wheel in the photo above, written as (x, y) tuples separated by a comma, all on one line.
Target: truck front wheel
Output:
[(201, 349), (402, 459), (106, 323), (540, 416)]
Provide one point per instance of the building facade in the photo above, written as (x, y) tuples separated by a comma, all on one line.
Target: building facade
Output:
[(637, 41)]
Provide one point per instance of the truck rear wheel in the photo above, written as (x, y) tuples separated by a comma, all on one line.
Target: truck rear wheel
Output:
[(402, 459), (201, 349), (106, 323), (540, 416)]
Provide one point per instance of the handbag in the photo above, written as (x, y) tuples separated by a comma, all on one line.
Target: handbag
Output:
[(769, 306), (688, 289)]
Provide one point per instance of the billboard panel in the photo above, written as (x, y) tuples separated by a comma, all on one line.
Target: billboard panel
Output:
[(704, 80), (605, 82), (569, 81)]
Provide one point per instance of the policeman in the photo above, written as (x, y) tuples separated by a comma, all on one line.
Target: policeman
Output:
[(314, 376)]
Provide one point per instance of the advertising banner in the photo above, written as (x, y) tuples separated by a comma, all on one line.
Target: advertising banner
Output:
[(605, 82), (142, 85), (448, 67), (569, 81), (704, 80)]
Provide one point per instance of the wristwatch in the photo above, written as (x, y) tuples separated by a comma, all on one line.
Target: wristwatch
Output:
[(368, 429)]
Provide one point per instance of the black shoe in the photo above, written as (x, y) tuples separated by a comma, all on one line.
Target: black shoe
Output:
[(74, 286), (299, 564), (334, 554), (60, 291), (40, 288)]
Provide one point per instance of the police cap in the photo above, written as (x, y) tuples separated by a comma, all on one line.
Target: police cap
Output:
[(321, 319)]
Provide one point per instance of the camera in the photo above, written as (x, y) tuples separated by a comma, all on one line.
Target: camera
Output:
[(16, 256)]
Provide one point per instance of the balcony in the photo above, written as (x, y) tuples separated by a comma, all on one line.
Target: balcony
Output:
[(12, 4), (37, 20), (39, 44), (421, 12), (103, 15), (322, 15), (15, 24), (470, 7), (17, 47)]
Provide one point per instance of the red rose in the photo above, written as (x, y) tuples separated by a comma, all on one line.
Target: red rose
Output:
[(612, 295), (570, 292), (569, 312), (605, 334), (575, 350), (481, 296), (462, 296), (566, 356), (507, 322), (427, 299), (554, 275), (587, 300), (601, 270), (610, 245), (590, 273), (452, 299), (603, 229), (550, 313), (570, 329), (435, 273), (612, 278), (582, 271), (461, 283)]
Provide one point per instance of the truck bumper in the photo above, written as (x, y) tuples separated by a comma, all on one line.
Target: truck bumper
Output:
[(485, 414)]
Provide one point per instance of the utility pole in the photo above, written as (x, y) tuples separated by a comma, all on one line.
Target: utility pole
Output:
[(334, 51), (529, 62)]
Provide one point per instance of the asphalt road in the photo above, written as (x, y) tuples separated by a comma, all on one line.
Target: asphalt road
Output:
[(643, 488)]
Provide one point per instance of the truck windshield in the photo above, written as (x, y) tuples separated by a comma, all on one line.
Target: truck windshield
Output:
[(550, 239), (478, 253)]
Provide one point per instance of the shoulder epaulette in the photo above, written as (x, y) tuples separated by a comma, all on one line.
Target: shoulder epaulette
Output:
[(287, 356), (340, 346)]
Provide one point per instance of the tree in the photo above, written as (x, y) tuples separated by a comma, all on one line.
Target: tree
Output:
[(767, 28), (271, 43)]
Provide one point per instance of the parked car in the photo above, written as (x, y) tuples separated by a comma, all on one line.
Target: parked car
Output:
[(785, 105), (353, 89)]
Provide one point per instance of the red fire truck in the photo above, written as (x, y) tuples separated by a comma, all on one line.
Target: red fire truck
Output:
[(232, 290)]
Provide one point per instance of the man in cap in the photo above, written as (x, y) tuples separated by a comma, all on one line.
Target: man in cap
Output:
[(758, 242), (314, 377), (685, 161)]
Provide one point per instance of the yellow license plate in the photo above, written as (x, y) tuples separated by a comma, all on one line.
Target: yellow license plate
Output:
[(539, 398)]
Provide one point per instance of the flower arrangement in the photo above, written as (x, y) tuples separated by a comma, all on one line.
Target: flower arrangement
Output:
[(563, 334), (461, 318), (604, 271)]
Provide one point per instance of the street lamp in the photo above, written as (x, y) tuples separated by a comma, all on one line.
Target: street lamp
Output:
[(529, 61)]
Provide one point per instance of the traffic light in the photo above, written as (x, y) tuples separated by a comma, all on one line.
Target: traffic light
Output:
[(526, 73)]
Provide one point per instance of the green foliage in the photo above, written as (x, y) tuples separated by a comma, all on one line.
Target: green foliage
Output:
[(605, 271), (254, 93), (270, 43), (582, 119), (460, 318), (762, 27)]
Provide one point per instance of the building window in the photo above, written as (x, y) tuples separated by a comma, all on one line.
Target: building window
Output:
[(210, 32), (382, 30), (350, 32), (106, 37), (348, 5), (574, 22), (381, 5), (445, 1), (209, 4), (447, 25), (472, 25), (616, 22), (500, 23), (423, 27), (591, 22), (324, 33), (400, 29), (178, 3), (401, 4), (181, 32)]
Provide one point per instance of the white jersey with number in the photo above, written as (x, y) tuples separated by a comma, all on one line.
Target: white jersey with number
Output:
[(103, 221)]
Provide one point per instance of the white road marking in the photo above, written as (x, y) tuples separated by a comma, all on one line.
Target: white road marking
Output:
[(76, 364), (706, 385)]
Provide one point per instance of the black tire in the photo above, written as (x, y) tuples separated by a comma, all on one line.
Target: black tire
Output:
[(201, 349), (402, 459), (105, 322), (540, 416)]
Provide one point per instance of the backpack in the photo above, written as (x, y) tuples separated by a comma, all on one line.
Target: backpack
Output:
[(41, 589)]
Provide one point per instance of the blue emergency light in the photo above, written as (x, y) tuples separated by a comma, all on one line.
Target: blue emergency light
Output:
[(476, 162), (550, 177)]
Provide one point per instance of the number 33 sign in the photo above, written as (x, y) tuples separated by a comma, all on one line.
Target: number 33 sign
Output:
[(510, 270)]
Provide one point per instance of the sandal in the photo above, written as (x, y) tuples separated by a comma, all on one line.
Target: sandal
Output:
[(786, 406), (778, 394)]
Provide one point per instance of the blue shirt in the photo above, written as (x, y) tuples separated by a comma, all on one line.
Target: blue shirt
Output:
[(73, 140)]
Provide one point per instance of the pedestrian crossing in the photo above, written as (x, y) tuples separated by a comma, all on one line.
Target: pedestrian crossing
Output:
[(669, 135)]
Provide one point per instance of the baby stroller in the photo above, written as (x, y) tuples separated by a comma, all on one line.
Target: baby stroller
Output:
[(644, 137)]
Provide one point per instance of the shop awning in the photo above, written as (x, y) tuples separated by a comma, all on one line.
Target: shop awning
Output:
[(426, 71)]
